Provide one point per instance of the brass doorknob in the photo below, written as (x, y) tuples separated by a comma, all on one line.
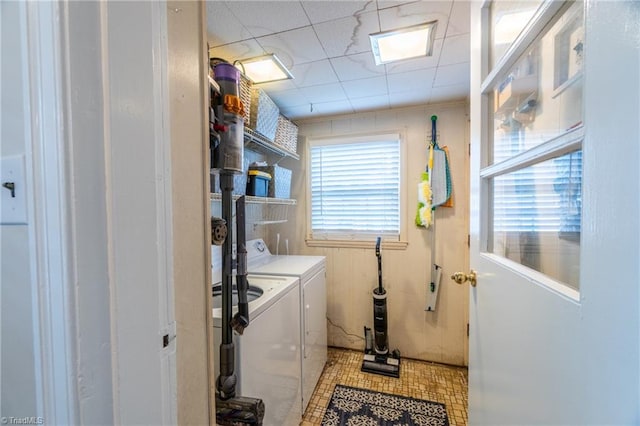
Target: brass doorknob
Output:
[(461, 277)]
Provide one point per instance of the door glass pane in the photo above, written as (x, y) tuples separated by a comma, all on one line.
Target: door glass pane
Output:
[(508, 19), (537, 215), (541, 96)]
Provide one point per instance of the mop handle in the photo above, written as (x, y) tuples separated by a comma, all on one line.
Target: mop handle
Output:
[(434, 267), (434, 118), (433, 144)]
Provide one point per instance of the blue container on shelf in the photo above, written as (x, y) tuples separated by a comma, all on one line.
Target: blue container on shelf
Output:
[(258, 183)]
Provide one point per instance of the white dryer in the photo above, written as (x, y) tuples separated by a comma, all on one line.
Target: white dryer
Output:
[(311, 270)]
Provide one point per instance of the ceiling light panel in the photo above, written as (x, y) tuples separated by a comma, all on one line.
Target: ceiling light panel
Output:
[(263, 69), (403, 43)]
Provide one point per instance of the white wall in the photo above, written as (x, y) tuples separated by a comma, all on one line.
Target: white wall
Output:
[(17, 372), (352, 273), (100, 133)]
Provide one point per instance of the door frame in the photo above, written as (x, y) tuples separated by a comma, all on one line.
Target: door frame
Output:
[(53, 305)]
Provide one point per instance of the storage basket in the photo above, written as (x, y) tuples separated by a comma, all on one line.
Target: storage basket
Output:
[(240, 180), (245, 96), (280, 185), (287, 134), (264, 114)]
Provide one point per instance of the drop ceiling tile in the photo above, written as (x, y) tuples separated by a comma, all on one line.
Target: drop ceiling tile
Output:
[(417, 63), (392, 3), (331, 108), (365, 87), (459, 19), (370, 103), (450, 93), (222, 25), (452, 74), (283, 27), (294, 47), (322, 11), (267, 17), (455, 49), (353, 67), (417, 13), (277, 85), (349, 35), (419, 81), (324, 93), (314, 73), (297, 112), (288, 98), (401, 99), (240, 50)]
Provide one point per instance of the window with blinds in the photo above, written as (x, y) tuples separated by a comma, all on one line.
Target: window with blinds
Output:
[(537, 216), (533, 171), (545, 197), (355, 188)]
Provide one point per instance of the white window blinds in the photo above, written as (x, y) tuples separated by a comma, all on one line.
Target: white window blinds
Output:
[(545, 197), (355, 187)]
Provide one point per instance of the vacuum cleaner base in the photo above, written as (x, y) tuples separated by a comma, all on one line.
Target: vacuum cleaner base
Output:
[(239, 410), (385, 365)]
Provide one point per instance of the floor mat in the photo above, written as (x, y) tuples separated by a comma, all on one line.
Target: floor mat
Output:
[(360, 407)]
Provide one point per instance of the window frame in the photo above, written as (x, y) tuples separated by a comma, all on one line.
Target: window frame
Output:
[(390, 243), (548, 13)]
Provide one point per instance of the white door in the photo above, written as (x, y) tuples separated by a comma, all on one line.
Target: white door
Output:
[(555, 213)]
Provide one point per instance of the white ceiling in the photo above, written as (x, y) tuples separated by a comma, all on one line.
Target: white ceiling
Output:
[(325, 45)]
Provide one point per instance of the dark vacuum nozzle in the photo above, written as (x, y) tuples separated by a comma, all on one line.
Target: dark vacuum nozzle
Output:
[(239, 323), (239, 411)]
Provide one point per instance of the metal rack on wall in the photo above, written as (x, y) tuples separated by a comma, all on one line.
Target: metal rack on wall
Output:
[(256, 142), (263, 210)]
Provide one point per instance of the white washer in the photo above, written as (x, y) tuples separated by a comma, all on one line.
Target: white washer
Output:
[(268, 354), (313, 305)]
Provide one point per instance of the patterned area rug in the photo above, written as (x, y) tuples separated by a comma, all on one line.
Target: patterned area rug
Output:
[(360, 407)]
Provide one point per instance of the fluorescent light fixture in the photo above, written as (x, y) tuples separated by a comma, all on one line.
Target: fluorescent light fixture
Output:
[(264, 68), (510, 25), (403, 43)]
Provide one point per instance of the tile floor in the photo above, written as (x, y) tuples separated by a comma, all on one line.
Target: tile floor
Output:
[(418, 379)]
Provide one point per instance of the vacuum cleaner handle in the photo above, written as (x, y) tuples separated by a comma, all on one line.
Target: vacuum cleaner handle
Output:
[(379, 265), (241, 319)]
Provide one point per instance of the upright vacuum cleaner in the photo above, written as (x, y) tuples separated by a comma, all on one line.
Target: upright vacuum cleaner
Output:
[(377, 358), (227, 150)]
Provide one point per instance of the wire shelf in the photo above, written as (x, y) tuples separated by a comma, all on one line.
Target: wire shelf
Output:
[(256, 142), (261, 210)]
